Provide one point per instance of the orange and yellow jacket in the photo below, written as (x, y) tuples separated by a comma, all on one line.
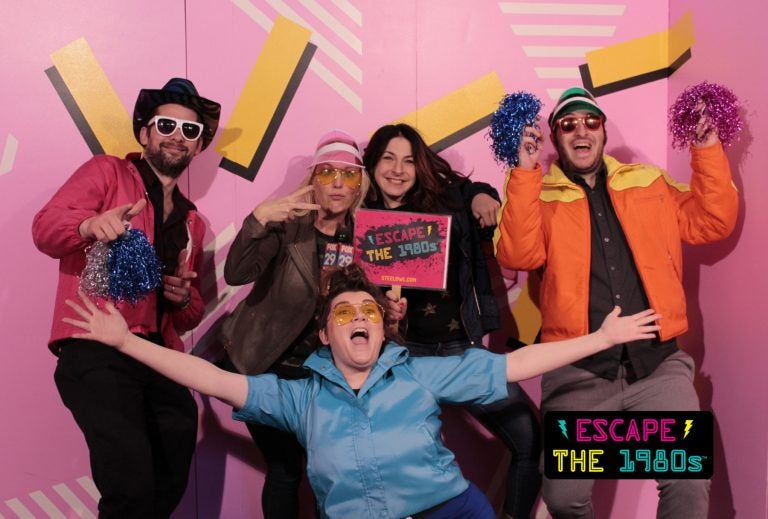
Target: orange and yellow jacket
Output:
[(545, 223)]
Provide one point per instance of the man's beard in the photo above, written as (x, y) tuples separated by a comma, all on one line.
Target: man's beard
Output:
[(164, 164)]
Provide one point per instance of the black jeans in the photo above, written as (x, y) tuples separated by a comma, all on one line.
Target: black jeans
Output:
[(140, 428), (515, 423), (285, 460)]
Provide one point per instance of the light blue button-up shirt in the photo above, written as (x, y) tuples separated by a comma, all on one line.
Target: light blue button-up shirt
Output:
[(377, 453)]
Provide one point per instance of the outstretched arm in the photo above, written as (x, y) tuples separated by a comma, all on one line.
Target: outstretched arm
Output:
[(110, 328), (539, 358)]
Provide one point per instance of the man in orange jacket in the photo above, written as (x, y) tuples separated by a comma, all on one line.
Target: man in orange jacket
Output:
[(604, 234)]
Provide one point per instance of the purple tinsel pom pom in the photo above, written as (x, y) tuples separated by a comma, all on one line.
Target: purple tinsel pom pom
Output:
[(718, 102), (515, 112), (134, 270)]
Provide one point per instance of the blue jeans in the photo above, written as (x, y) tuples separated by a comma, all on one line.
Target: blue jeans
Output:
[(514, 422)]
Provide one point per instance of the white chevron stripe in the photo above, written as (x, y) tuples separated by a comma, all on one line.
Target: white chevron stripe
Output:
[(553, 51), (46, 505), (563, 30), (561, 9), (201, 345), (73, 501), (52, 511), (557, 72), (255, 14), (222, 239), (337, 84), (90, 487), (21, 511), (350, 10), (9, 154), (321, 41), (555, 93), (322, 72), (327, 18)]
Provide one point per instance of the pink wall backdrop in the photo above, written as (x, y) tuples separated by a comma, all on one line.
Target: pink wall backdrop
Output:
[(375, 62), (726, 282)]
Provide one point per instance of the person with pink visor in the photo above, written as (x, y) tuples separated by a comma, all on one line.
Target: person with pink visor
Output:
[(280, 249)]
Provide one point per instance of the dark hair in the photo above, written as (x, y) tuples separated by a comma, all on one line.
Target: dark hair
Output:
[(351, 278), (433, 172)]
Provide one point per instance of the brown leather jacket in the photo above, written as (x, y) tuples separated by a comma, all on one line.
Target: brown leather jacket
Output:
[(281, 262)]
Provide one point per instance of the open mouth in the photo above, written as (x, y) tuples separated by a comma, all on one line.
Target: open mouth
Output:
[(359, 333)]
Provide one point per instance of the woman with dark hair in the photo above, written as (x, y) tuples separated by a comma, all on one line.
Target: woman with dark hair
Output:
[(368, 415), (409, 176)]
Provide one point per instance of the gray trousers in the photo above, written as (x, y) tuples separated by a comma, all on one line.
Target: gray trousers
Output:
[(668, 388)]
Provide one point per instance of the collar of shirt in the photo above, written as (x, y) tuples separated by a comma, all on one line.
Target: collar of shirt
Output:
[(600, 178), (153, 185)]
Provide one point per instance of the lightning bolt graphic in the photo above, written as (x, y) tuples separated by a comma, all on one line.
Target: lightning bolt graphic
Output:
[(688, 425), (562, 428), (429, 230)]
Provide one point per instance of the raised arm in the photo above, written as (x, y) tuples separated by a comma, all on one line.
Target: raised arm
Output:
[(708, 211), (110, 328), (536, 359), (257, 243), (519, 237)]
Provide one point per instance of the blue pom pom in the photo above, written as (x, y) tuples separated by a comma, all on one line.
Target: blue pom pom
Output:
[(134, 270), (515, 112)]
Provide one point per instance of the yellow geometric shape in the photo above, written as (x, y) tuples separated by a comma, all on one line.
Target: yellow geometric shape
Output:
[(97, 101), (526, 313), (262, 102), (641, 56), (456, 115)]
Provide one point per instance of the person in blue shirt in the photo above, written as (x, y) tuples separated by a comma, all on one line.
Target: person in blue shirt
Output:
[(368, 416)]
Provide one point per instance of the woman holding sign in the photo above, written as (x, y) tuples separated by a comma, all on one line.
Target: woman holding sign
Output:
[(281, 249), (409, 176), (369, 414)]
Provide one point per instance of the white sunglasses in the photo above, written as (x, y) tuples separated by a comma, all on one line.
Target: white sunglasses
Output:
[(190, 130)]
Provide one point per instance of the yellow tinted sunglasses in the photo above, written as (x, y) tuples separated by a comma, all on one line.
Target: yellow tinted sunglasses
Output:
[(350, 177), (345, 313)]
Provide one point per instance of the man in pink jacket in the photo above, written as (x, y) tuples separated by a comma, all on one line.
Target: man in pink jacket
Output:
[(140, 427)]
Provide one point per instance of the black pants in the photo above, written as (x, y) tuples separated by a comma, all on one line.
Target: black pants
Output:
[(283, 455), (516, 424), (140, 428)]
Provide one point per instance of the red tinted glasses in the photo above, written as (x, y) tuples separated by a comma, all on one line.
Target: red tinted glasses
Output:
[(569, 123)]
